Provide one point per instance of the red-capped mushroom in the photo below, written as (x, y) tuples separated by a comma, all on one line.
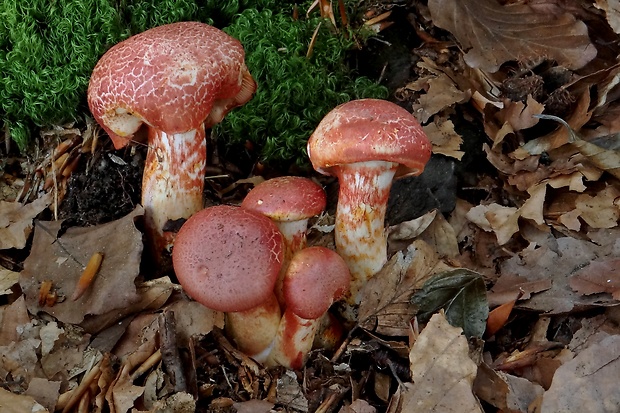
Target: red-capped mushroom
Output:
[(228, 258), (316, 277), (363, 143), (290, 201), (177, 79)]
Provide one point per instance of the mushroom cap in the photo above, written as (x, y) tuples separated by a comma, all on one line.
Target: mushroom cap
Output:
[(286, 198), (316, 277), (369, 130), (228, 258), (168, 77)]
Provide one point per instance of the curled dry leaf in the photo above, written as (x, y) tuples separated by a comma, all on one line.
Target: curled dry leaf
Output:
[(494, 34), (385, 304), (62, 260), (16, 221), (441, 370)]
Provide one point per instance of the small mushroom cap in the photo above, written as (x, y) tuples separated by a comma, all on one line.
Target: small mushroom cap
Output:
[(369, 130), (170, 77), (228, 258), (286, 198), (316, 277)]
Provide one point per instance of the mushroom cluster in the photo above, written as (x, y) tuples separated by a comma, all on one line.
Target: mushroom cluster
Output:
[(251, 261)]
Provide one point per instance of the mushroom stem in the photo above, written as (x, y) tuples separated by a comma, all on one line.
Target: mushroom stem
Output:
[(173, 181), (254, 330), (293, 341), (360, 214)]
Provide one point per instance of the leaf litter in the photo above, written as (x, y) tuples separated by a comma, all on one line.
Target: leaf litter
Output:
[(534, 234)]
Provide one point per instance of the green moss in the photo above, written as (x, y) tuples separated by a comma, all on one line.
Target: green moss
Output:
[(294, 92), (48, 49), (46, 56)]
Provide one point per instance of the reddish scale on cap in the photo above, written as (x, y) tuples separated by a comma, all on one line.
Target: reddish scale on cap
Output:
[(170, 77), (286, 198), (368, 130), (316, 277), (228, 258)]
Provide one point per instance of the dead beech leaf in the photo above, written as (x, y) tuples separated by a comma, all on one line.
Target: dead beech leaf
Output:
[(601, 210), (441, 371), (506, 392), (385, 304), (8, 279), (442, 93), (502, 220), (494, 34), (612, 12), (587, 383), (16, 221), (19, 403), (508, 287), (558, 266), (445, 140), (62, 260), (598, 277)]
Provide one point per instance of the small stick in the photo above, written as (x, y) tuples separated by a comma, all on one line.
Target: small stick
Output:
[(148, 363), (88, 275), (79, 391)]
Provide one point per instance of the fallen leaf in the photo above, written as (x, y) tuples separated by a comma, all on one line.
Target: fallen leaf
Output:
[(506, 392), (494, 33), (254, 406), (44, 391), (502, 220), (441, 371), (442, 93), (289, 392), (461, 294), (19, 403), (588, 383), (385, 305), (601, 210), (558, 267), (62, 260), (358, 406), (598, 277), (612, 12), (445, 140), (509, 286), (8, 279), (16, 220)]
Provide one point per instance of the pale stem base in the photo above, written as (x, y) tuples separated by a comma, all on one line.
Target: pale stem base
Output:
[(293, 341), (173, 181), (360, 234), (254, 330)]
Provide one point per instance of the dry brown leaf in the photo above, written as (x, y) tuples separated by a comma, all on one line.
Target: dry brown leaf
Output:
[(441, 371), (19, 403), (533, 207), (612, 12), (558, 266), (13, 316), (385, 300), (8, 279), (445, 140), (442, 93), (254, 406), (44, 391), (16, 221), (506, 392), (579, 117), (598, 277), (601, 210), (358, 406), (588, 383), (494, 34), (508, 287), (62, 260), (503, 221)]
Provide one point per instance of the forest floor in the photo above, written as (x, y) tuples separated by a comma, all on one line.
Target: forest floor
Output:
[(502, 288)]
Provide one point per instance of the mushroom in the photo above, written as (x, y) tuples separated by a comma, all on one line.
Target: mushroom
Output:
[(363, 143), (228, 258), (316, 277), (289, 201), (177, 79)]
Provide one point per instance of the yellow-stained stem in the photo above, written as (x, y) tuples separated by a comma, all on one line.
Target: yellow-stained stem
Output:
[(173, 182), (360, 233)]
